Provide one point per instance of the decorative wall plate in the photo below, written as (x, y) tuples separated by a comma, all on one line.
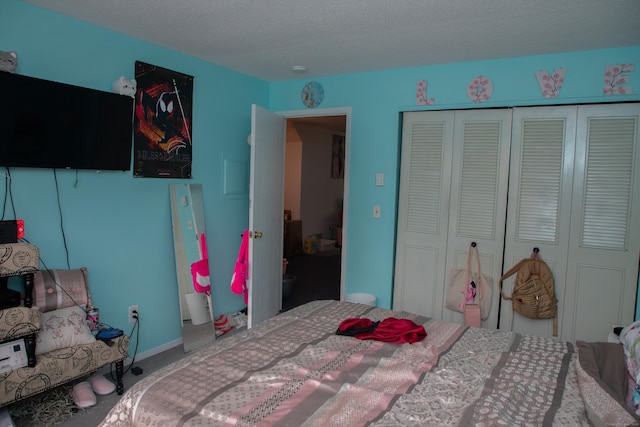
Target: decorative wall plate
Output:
[(312, 94)]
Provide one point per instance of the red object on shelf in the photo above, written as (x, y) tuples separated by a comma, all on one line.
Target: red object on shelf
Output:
[(20, 224)]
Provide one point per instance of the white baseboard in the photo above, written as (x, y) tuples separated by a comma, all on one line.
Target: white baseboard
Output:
[(154, 351)]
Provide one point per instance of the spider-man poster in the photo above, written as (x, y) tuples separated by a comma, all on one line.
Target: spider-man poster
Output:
[(162, 139)]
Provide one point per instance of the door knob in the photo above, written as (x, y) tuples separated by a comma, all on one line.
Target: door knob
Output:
[(257, 234)]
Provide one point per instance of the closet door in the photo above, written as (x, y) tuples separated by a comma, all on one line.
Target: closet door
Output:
[(452, 192), (423, 212), (604, 242), (574, 193), (539, 202), (478, 202)]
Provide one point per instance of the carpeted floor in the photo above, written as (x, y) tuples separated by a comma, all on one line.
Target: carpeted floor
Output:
[(317, 277)]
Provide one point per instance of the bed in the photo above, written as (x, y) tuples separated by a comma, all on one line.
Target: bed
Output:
[(294, 370)]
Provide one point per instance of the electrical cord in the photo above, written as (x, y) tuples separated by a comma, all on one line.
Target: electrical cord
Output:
[(8, 193), (64, 236), (136, 327)]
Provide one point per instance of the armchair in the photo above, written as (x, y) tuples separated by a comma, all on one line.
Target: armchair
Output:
[(64, 347)]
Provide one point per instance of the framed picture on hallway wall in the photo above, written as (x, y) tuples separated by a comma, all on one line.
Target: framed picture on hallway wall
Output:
[(162, 123), (337, 157)]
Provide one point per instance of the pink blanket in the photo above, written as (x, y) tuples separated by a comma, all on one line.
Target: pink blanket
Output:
[(293, 370)]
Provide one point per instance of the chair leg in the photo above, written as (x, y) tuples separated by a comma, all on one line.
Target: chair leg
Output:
[(119, 375), (30, 343)]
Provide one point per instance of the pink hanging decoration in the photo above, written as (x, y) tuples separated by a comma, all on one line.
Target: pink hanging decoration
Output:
[(550, 83)]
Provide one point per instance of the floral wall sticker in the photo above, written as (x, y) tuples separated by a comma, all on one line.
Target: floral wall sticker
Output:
[(480, 89), (550, 83), (615, 76), (421, 94)]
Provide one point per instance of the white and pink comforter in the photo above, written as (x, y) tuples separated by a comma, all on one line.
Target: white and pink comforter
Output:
[(293, 370)]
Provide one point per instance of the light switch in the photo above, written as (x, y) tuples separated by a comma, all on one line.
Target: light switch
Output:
[(376, 211), (379, 179)]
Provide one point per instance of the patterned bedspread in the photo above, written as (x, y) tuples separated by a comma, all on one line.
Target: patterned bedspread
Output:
[(294, 371)]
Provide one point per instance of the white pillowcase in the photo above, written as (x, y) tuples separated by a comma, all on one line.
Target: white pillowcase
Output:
[(630, 339), (65, 327)]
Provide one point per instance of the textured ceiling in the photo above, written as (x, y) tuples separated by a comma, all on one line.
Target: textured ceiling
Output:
[(264, 38)]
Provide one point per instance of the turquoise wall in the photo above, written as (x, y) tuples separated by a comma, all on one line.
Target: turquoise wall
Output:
[(116, 225), (120, 227), (377, 99)]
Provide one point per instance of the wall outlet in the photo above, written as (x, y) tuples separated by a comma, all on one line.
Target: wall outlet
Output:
[(131, 312)]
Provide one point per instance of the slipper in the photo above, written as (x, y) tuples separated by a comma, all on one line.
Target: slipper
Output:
[(221, 321), (101, 385), (83, 396)]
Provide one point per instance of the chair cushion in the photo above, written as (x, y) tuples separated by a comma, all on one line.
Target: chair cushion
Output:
[(55, 289)]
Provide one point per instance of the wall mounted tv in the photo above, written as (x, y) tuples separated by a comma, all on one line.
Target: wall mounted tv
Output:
[(45, 124)]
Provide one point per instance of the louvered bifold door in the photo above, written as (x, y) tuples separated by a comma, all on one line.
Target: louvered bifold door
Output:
[(477, 210), (423, 212), (539, 204), (602, 273)]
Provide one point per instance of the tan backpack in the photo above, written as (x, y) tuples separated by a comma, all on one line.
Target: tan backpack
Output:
[(533, 293)]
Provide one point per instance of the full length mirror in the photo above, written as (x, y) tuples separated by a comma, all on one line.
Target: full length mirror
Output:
[(190, 247)]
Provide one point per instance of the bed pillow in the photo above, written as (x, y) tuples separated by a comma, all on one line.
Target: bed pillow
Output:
[(630, 340), (55, 289), (605, 362), (602, 379), (62, 328)]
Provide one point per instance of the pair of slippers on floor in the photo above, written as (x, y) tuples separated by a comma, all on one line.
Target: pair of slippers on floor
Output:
[(84, 393)]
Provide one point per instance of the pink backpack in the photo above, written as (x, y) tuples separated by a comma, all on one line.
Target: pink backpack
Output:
[(241, 270)]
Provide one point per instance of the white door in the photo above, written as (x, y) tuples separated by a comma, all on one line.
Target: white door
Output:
[(604, 242), (539, 212), (423, 212), (266, 197), (478, 203), (453, 185), (575, 195)]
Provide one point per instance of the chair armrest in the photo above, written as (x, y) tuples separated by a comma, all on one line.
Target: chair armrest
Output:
[(17, 322), (17, 259)]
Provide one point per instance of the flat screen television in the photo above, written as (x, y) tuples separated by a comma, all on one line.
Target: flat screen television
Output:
[(45, 124)]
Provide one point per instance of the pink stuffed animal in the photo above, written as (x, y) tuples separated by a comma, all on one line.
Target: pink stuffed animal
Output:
[(241, 270)]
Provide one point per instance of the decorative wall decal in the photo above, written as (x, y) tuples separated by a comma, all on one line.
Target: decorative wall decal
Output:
[(614, 77), (480, 89), (421, 94), (550, 83)]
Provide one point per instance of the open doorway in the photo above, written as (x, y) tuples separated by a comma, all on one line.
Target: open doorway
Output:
[(314, 206)]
